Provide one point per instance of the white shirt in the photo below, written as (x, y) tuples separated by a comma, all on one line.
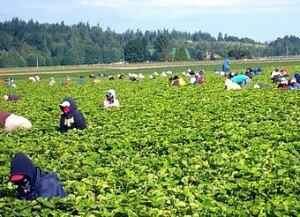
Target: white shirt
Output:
[(15, 122), (275, 73), (115, 103), (231, 85)]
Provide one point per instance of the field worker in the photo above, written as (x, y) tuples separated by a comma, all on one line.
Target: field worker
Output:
[(181, 82), (133, 77), (174, 80), (225, 66), (31, 80), (283, 84), (13, 122), (275, 76), (67, 82), (200, 77), (230, 85), (91, 76), (121, 76), (249, 72), (293, 85), (193, 80), (33, 182), (284, 72), (71, 117), (110, 99), (11, 83), (80, 80), (297, 77), (52, 81), (38, 78), (111, 77), (11, 97), (242, 80)]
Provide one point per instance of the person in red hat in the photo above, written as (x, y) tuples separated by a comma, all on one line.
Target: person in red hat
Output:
[(32, 182)]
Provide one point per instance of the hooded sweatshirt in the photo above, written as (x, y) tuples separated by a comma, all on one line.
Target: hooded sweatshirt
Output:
[(41, 184), (73, 119)]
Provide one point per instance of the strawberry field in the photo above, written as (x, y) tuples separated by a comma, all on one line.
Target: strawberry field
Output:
[(168, 151)]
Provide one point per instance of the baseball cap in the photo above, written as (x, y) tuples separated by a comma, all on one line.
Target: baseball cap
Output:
[(65, 103), (109, 94)]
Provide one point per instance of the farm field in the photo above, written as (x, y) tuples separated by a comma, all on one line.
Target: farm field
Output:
[(168, 151)]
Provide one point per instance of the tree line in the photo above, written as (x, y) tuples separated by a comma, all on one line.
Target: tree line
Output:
[(28, 44)]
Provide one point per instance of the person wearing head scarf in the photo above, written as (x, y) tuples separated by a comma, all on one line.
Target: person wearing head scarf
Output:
[(71, 117), (13, 122), (11, 97), (110, 99), (32, 182)]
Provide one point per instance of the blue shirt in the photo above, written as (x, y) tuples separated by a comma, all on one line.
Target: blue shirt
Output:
[(239, 78)]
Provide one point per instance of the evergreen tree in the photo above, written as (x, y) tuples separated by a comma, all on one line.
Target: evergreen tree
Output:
[(135, 51), (162, 46), (220, 37), (59, 44), (180, 54)]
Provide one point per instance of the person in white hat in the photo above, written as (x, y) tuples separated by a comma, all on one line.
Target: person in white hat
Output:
[(110, 99), (71, 117)]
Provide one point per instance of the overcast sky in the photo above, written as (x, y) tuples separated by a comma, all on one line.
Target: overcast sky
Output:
[(261, 20)]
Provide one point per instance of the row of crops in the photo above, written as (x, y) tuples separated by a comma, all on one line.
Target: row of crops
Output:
[(168, 151)]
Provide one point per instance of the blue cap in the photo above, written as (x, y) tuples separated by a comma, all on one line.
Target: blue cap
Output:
[(109, 94)]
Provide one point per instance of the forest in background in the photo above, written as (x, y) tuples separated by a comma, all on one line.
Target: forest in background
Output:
[(28, 44)]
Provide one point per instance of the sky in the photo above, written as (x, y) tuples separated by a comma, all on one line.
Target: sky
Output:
[(260, 20)]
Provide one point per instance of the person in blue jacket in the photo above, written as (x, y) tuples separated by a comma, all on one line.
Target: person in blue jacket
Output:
[(242, 80), (71, 117), (225, 66), (80, 80), (32, 181)]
